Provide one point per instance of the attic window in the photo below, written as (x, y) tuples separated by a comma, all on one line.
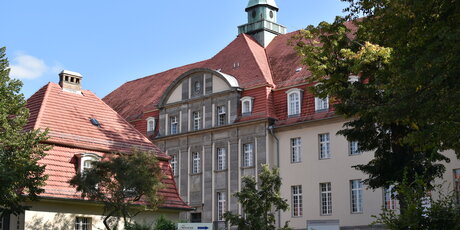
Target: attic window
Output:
[(95, 122)]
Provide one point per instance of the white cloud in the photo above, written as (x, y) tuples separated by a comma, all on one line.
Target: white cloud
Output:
[(29, 67)]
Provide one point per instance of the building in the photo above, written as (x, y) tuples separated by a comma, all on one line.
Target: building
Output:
[(221, 118), (82, 128)]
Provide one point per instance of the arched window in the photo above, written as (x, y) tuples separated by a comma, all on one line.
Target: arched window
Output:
[(150, 124), (294, 99), (321, 104), (246, 105)]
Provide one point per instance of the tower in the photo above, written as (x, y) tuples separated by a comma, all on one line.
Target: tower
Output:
[(262, 21)]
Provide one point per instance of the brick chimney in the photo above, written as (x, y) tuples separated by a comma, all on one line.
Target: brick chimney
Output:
[(70, 81)]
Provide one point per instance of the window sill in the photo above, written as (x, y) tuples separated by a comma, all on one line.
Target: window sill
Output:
[(195, 174), (220, 170), (296, 162), (326, 158), (296, 216), (293, 115), (356, 154), (247, 167), (325, 214), (357, 212), (322, 110), (246, 114)]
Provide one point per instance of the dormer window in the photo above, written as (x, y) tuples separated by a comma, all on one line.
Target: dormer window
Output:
[(246, 105), (294, 97), (86, 161), (321, 104), (150, 124)]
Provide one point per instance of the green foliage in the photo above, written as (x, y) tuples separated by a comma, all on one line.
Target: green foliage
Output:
[(259, 202), (404, 105), (136, 226), (21, 177), (441, 214), (125, 183), (164, 224)]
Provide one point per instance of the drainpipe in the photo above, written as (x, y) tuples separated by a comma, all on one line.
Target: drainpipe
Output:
[(272, 132)]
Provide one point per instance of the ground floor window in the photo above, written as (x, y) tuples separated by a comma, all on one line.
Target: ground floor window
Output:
[(82, 223), (326, 198), (195, 217), (296, 200), (390, 201), (220, 205)]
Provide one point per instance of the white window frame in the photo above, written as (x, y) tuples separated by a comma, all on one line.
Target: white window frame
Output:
[(324, 140), (296, 201), (356, 192), (173, 163), (321, 104), (83, 223), (221, 159), (221, 115), (173, 125), (353, 148), (86, 158), (389, 198), (196, 162), (196, 120), (221, 205), (248, 110), (248, 155), (325, 198), (294, 107), (296, 150), (151, 124)]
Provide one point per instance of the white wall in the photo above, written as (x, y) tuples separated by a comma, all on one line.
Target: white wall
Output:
[(61, 215)]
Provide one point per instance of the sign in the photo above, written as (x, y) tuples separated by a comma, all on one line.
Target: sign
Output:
[(194, 226)]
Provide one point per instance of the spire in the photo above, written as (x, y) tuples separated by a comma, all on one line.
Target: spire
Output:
[(262, 21)]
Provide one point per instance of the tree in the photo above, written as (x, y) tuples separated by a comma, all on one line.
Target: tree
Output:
[(259, 202), (125, 183), (403, 102), (442, 213), (21, 176)]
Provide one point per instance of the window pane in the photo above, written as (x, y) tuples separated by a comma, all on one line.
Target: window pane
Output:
[(356, 196), (296, 200), (324, 150), (326, 198), (247, 155), (295, 150)]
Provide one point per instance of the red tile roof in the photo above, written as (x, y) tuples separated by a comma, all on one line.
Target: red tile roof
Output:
[(67, 116), (276, 67)]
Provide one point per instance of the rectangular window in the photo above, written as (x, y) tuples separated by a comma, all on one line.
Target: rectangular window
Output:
[(221, 115), (196, 121), (174, 125), (326, 198), (82, 223), (221, 159), (354, 148), (294, 103), (389, 198), (321, 103), (356, 196), (150, 124), (247, 155), (295, 150), (173, 163), (220, 206), (196, 162), (324, 146), (296, 192), (457, 184)]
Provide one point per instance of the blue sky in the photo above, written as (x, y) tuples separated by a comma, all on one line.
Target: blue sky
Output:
[(111, 42)]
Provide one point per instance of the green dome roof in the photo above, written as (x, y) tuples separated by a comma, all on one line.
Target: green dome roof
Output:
[(261, 2)]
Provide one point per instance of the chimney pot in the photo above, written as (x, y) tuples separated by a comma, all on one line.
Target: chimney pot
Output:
[(70, 81)]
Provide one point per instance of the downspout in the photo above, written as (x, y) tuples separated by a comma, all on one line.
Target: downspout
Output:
[(272, 132)]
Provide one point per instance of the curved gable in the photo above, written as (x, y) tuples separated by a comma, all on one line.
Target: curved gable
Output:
[(197, 83)]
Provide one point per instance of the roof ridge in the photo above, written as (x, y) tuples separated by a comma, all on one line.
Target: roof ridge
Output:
[(247, 38), (42, 105)]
